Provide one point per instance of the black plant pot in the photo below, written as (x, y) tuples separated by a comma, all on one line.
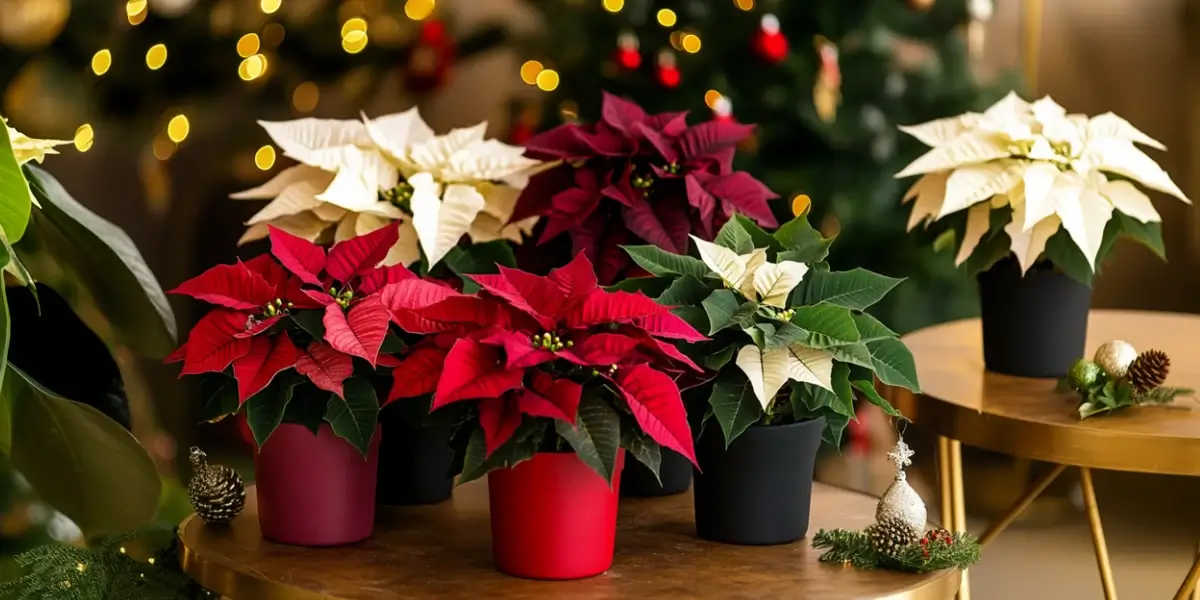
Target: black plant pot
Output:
[(675, 471), (1033, 326), (415, 463), (757, 492)]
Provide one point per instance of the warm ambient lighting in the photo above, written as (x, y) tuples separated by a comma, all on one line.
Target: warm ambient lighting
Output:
[(690, 43), (354, 42), (744, 4), (272, 35), (530, 71), (252, 67), (264, 159), (163, 148), (711, 97), (666, 17), (178, 128), (248, 45), (419, 10), (306, 96), (269, 6), (101, 61), (84, 137), (355, 24), (547, 80), (135, 11), (156, 56), (613, 5)]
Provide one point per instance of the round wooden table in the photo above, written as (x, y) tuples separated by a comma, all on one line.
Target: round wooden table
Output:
[(965, 404), (444, 552)]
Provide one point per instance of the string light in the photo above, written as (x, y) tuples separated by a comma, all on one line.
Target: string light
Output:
[(711, 97), (84, 137), (272, 35), (80, 567), (355, 24), (419, 10), (547, 80), (101, 61), (530, 71), (248, 45), (178, 128), (135, 11), (613, 5), (744, 4), (269, 6), (150, 560), (264, 158), (252, 67), (690, 43), (354, 42), (666, 17), (305, 96), (156, 56)]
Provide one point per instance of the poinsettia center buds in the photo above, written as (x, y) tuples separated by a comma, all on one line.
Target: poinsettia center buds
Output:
[(400, 196), (342, 298), (551, 342), (276, 307), (672, 168), (641, 182), (785, 314)]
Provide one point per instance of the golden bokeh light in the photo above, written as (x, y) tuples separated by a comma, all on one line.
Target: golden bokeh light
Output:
[(355, 24), (666, 17), (675, 38), (530, 70), (272, 35), (135, 11), (156, 56), (547, 80), (252, 67), (744, 4), (264, 158), (306, 96), (178, 128), (711, 97), (354, 42), (419, 10), (269, 6), (248, 45), (800, 204), (85, 136), (613, 5), (690, 43), (101, 61), (163, 148)]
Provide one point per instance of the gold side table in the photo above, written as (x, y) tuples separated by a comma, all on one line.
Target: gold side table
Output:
[(964, 404)]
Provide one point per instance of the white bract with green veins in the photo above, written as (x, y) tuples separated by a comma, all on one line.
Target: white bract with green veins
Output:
[(1051, 167)]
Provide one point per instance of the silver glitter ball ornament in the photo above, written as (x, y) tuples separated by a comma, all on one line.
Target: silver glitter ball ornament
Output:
[(1115, 357), (901, 502)]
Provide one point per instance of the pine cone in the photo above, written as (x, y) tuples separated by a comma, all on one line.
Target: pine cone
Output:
[(890, 535), (1148, 370), (216, 492)]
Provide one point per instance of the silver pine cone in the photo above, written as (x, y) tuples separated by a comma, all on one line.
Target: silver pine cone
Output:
[(216, 492), (891, 535)]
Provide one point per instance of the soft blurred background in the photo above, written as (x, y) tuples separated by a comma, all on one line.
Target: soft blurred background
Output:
[(161, 96)]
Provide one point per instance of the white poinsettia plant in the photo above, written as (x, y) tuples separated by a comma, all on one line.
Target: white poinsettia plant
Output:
[(356, 176), (789, 340), (1032, 181)]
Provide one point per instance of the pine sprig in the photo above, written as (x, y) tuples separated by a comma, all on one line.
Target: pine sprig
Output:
[(1102, 393), (854, 548)]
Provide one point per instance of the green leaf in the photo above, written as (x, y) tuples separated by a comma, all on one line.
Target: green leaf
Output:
[(801, 242), (392, 344), (1062, 251), (644, 449), (735, 237), (596, 435), (827, 325), (855, 354), (354, 418), (218, 397), (761, 333), (311, 321), (1146, 234), (15, 200), (720, 306), (650, 286), (856, 289), (478, 258), (660, 262), (759, 238), (71, 248), (734, 405), (868, 390), (264, 410), (12, 264), (78, 460), (5, 332), (870, 328), (714, 361), (893, 363), (684, 291), (520, 447), (695, 316), (785, 335)]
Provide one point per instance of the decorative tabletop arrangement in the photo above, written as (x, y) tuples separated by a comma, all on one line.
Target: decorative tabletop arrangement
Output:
[(790, 346), (1118, 376), (556, 378), (1036, 198)]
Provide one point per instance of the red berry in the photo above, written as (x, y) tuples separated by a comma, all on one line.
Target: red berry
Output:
[(924, 541)]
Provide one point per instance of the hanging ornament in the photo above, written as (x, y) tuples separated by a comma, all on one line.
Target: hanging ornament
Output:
[(628, 57), (770, 42), (431, 59), (1115, 356), (215, 491), (667, 73), (921, 5), (827, 93), (980, 12), (900, 501), (723, 109), (32, 24)]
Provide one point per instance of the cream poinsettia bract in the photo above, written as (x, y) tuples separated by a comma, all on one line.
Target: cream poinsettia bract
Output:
[(768, 284), (1050, 167), (355, 176)]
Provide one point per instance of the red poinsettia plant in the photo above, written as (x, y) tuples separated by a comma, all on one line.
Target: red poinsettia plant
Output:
[(635, 178), (546, 363), (296, 335)]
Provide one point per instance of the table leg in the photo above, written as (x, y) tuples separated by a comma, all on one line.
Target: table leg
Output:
[(1093, 515), (1021, 504), (1189, 582), (954, 512)]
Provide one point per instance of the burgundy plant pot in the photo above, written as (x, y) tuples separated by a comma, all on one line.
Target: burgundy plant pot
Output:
[(315, 490), (553, 517)]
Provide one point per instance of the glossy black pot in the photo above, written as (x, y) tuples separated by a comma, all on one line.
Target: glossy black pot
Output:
[(758, 491), (1033, 325), (415, 463), (675, 472)]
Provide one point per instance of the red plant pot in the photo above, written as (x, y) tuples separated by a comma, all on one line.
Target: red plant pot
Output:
[(315, 490), (553, 517)]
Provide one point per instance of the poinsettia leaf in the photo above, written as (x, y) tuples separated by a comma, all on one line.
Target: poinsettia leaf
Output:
[(499, 418), (361, 254), (735, 237), (562, 394), (354, 419), (1147, 234), (745, 194), (212, 345), (519, 350), (307, 408), (669, 325), (894, 364), (375, 280), (418, 374), (785, 334), (301, 257), (715, 361), (759, 237), (602, 349), (359, 331), (262, 363), (644, 449), (687, 290), (660, 262), (612, 307), (218, 397), (473, 370), (543, 295), (855, 353), (870, 328), (856, 289), (654, 400), (706, 138), (596, 435), (1067, 257), (576, 280), (264, 410), (474, 259), (325, 367), (734, 405), (724, 309), (404, 298), (872, 395), (233, 286), (521, 446), (826, 324), (650, 286), (801, 242), (531, 300), (311, 321)]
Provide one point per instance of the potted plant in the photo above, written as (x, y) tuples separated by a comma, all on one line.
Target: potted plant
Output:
[(295, 342), (1036, 198), (559, 378), (356, 176), (632, 178), (791, 347)]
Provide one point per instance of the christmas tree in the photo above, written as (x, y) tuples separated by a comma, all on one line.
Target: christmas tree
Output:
[(826, 81)]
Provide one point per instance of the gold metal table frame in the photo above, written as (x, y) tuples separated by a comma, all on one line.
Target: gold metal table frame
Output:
[(964, 404)]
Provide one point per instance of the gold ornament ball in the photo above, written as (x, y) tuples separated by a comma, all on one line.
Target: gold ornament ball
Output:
[(1115, 357)]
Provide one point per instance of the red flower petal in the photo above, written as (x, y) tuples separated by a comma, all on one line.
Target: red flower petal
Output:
[(746, 194), (519, 351), (576, 280), (663, 223), (359, 255), (318, 298), (176, 356), (669, 325), (234, 286), (472, 371), (325, 367), (266, 359), (417, 374), (704, 202), (465, 309), (213, 342), (303, 258), (374, 281), (671, 124), (620, 113), (705, 139), (603, 349), (536, 296), (657, 407), (535, 200), (499, 418), (666, 149), (360, 331), (563, 393), (668, 350), (613, 307), (404, 298)]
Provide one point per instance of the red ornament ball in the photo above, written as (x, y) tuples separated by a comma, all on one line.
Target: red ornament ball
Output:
[(431, 60), (669, 76), (629, 58), (770, 42)]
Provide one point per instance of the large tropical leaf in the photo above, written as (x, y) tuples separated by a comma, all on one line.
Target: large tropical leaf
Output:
[(15, 200), (84, 257), (79, 461)]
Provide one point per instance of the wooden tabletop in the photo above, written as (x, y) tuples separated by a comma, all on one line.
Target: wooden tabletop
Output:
[(1029, 418), (444, 552)]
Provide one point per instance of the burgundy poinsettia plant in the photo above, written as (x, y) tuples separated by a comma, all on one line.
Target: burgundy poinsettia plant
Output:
[(636, 178), (547, 363), (298, 333)]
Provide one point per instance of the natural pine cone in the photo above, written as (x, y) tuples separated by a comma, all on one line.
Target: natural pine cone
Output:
[(216, 492), (1148, 370), (890, 535)]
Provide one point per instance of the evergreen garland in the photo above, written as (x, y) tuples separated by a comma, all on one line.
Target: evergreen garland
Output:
[(935, 551)]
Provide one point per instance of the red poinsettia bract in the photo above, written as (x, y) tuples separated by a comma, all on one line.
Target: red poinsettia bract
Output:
[(634, 176), (528, 345)]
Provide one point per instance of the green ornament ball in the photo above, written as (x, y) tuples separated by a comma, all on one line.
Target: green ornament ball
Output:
[(1083, 374)]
